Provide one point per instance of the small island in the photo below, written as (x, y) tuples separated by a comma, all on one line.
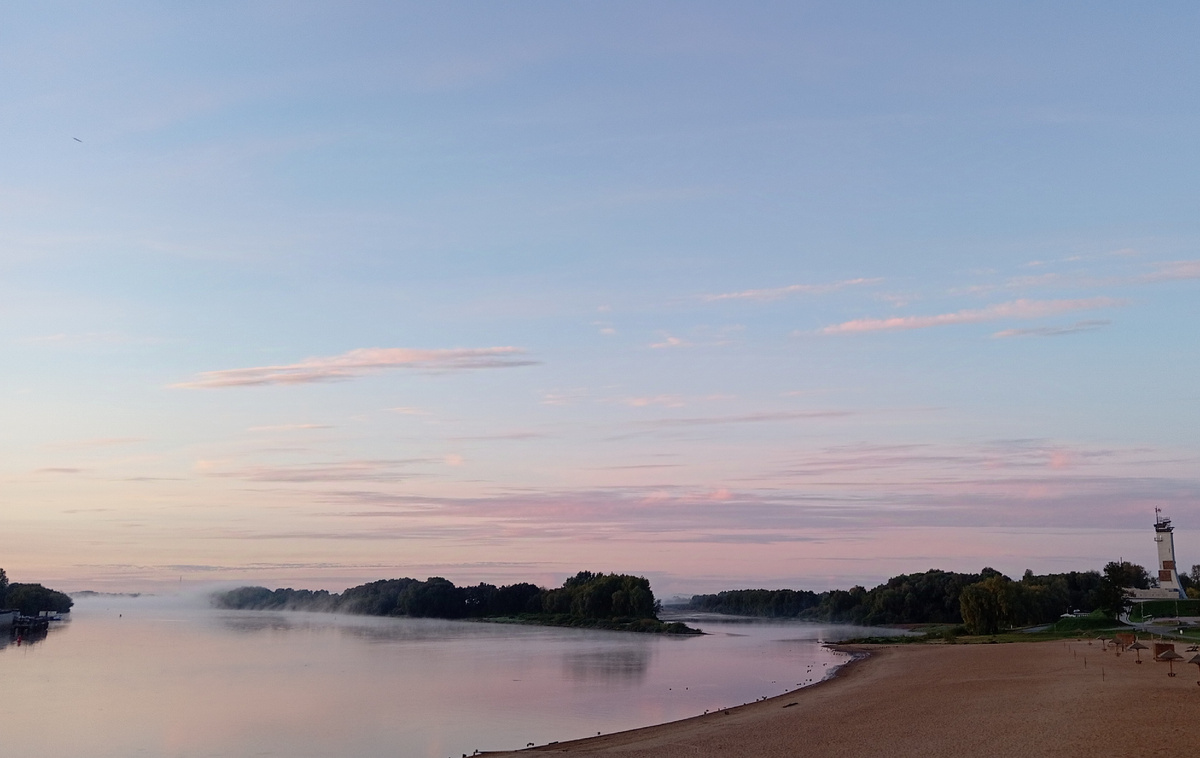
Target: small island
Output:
[(617, 602)]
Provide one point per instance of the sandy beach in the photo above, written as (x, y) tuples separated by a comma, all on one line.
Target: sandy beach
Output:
[(1026, 699)]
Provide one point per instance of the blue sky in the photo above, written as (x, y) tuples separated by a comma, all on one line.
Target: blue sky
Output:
[(783, 294)]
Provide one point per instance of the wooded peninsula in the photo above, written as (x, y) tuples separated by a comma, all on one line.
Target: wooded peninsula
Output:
[(31, 599), (618, 602)]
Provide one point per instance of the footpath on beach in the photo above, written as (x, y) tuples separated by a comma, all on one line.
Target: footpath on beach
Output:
[(1058, 698)]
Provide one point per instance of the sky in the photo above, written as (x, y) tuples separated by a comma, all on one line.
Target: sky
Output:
[(727, 295)]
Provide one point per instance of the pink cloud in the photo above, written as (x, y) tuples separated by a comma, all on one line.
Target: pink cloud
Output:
[(1017, 309), (1174, 271), (670, 401), (1061, 459), (338, 471), (778, 293), (670, 341), (749, 418), (359, 362)]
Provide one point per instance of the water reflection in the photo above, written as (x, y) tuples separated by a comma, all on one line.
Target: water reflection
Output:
[(368, 628), (258, 623), (615, 666), (17, 637), (143, 677)]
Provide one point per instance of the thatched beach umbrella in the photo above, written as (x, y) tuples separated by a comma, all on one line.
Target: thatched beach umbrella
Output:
[(1139, 647), (1196, 660), (1170, 657)]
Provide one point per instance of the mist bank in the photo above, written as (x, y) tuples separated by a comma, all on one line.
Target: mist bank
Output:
[(984, 602), (593, 600)]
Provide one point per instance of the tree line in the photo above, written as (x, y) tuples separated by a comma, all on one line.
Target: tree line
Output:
[(985, 602), (31, 599), (586, 597), (929, 597)]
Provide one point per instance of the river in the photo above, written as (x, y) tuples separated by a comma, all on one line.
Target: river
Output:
[(167, 677)]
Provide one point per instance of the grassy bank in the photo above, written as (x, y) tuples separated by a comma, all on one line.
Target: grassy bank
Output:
[(1164, 609), (941, 634)]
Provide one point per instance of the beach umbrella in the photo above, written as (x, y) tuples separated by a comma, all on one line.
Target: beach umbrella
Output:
[(1139, 647), (1170, 657), (1196, 660)]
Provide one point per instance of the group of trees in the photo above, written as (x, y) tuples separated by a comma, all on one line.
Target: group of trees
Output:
[(437, 598), (985, 602), (600, 596), (586, 595), (929, 597), (31, 599), (433, 598), (998, 602)]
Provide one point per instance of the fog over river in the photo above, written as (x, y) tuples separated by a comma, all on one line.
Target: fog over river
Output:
[(168, 677)]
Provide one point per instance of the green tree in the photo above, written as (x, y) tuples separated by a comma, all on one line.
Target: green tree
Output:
[(1128, 574), (3, 589), (991, 605), (1119, 575), (32, 599)]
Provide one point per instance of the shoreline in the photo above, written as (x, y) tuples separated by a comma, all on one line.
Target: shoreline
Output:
[(1053, 698), (860, 655)]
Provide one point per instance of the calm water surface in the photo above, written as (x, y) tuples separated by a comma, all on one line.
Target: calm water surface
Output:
[(147, 676)]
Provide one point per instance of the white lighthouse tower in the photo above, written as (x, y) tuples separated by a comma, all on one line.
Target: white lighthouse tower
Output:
[(1168, 576)]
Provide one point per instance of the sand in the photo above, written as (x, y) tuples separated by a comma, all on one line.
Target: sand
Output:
[(1025, 699)]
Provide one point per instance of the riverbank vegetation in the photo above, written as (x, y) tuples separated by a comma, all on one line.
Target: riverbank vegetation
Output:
[(31, 599), (982, 604), (592, 600)]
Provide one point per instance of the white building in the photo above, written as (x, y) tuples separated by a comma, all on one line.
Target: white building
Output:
[(1169, 587)]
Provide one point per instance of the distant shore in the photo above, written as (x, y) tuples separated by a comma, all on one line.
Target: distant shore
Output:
[(1060, 698)]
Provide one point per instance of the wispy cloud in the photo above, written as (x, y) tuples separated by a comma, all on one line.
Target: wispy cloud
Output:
[(666, 400), (701, 336), (638, 467), (287, 427), (503, 436), (1168, 271), (1174, 271), (94, 443), (340, 471), (669, 401), (1054, 331), (356, 363), (669, 341), (565, 397), (1000, 484), (778, 293), (408, 411), (748, 418), (1016, 309)]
